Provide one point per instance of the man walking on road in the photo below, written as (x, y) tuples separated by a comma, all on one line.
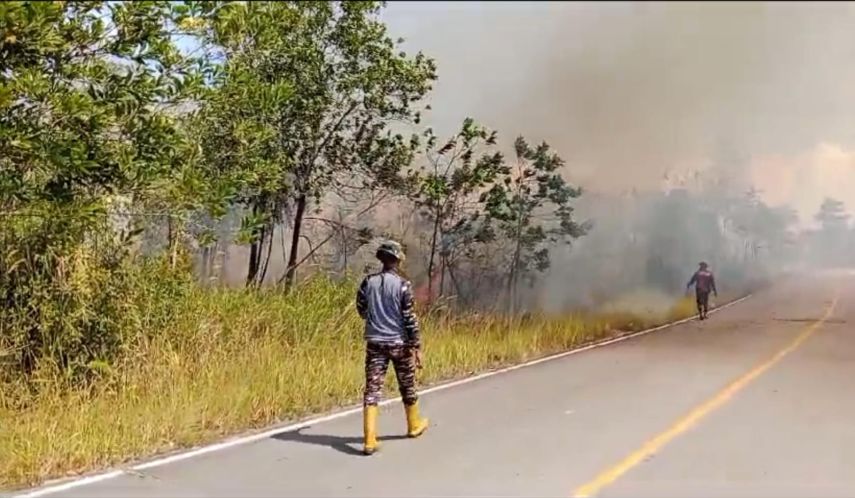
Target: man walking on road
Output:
[(704, 283), (385, 302)]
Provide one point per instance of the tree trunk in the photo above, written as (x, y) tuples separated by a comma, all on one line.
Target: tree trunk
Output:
[(441, 276), (433, 242), (219, 262), (457, 287), (173, 243), (254, 260), (206, 264), (263, 274), (170, 233), (514, 270), (512, 279), (343, 243), (255, 253), (291, 272), (224, 264)]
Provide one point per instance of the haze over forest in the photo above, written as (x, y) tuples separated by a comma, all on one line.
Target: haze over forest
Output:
[(631, 92)]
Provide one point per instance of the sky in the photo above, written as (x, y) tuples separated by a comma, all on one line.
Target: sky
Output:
[(629, 92)]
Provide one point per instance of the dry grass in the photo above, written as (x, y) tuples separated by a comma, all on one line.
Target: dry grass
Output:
[(236, 360)]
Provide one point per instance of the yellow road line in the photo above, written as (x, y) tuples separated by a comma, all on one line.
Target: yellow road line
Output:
[(693, 417)]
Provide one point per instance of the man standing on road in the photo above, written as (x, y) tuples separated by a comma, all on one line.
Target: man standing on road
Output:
[(385, 302), (704, 283)]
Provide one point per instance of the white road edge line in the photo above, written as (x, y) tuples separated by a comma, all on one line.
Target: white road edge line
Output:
[(85, 481)]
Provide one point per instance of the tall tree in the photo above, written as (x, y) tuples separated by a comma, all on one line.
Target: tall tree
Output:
[(449, 183), (239, 122), (348, 82), (532, 209), (88, 113)]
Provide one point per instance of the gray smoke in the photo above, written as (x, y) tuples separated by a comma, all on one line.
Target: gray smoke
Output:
[(640, 98), (631, 91)]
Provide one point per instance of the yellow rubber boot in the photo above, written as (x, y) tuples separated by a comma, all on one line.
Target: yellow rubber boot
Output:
[(370, 428), (416, 425)]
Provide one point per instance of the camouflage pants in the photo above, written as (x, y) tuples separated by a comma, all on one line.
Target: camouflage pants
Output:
[(377, 357)]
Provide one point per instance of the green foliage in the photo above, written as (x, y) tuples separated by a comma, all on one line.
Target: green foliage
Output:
[(86, 96), (71, 309), (238, 124), (88, 114), (304, 102), (448, 185), (530, 206)]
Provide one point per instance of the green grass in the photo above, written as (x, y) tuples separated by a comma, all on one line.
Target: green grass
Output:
[(234, 360)]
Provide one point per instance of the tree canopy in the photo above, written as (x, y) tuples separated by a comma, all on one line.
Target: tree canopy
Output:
[(309, 92)]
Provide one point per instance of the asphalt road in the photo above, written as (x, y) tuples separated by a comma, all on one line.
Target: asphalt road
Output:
[(757, 401)]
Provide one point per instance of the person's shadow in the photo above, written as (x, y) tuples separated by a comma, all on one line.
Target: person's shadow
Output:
[(348, 445)]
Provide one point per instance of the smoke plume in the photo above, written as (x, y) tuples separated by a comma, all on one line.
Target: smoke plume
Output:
[(631, 92), (643, 98)]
